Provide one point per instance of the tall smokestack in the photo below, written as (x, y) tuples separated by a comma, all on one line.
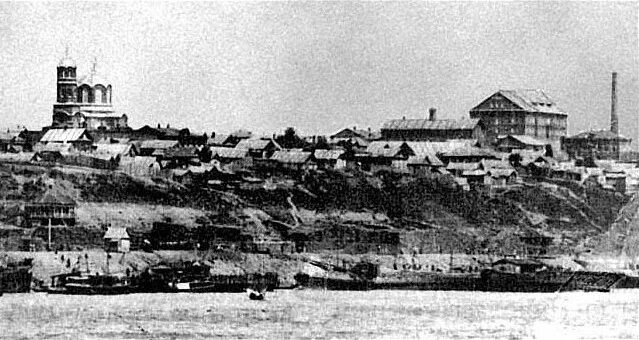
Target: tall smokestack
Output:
[(614, 120)]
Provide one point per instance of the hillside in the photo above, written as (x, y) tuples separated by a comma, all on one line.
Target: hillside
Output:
[(431, 213)]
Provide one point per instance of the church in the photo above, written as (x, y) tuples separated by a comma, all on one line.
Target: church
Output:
[(84, 102)]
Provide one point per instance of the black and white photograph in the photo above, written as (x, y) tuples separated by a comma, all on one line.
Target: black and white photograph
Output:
[(319, 170)]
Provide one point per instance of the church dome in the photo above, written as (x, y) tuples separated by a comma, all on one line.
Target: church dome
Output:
[(66, 61), (93, 79)]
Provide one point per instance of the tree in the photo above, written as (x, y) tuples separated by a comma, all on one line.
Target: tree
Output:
[(290, 139)]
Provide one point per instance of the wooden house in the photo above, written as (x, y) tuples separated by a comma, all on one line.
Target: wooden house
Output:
[(178, 157), (259, 148), (294, 160), (117, 240), (424, 165), (53, 208), (77, 139), (231, 156), (386, 155), (10, 141), (353, 138), (330, 159), (148, 147), (466, 155)]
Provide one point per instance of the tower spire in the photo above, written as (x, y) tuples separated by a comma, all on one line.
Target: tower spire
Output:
[(95, 65)]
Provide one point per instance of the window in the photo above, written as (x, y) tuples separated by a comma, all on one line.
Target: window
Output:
[(85, 95), (98, 95)]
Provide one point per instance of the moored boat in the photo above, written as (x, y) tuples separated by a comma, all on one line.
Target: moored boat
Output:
[(91, 284), (255, 295), (16, 276)]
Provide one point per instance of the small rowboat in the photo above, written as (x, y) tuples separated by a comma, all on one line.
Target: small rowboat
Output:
[(255, 295)]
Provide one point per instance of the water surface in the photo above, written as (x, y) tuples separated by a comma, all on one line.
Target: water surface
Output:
[(317, 314)]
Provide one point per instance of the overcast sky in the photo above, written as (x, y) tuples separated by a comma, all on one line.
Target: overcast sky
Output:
[(321, 66)]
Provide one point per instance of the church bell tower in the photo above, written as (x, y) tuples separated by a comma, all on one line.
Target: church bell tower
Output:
[(67, 81)]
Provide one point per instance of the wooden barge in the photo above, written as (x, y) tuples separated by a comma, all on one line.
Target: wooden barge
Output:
[(15, 277)]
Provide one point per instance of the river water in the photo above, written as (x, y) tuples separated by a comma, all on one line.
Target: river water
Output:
[(318, 314)]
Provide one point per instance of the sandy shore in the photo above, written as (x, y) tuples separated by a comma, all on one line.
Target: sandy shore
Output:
[(47, 264)]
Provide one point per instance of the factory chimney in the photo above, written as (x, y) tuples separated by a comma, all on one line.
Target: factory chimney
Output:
[(614, 120), (432, 114)]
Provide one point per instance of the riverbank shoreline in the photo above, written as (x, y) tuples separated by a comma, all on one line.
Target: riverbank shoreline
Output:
[(47, 264)]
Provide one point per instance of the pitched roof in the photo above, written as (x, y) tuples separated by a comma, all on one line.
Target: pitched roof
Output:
[(463, 166), (355, 132), (328, 154), (599, 134), (113, 149), (218, 139), (116, 233), (158, 144), (51, 197), (501, 172), (531, 100), (65, 136), (476, 172), (11, 136), (526, 140), (385, 148), (433, 148), (291, 157), (469, 151), (256, 144), (56, 146), (359, 141), (431, 160), (231, 153), (425, 124), (491, 164), (183, 152)]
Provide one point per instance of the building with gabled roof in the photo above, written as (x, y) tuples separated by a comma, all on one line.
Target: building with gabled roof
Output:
[(117, 240), (517, 142), (79, 139), (148, 147), (259, 147), (521, 112), (432, 129), (294, 159), (330, 159), (10, 141), (53, 208)]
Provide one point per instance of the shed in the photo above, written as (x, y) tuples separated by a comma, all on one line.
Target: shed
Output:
[(294, 160), (259, 148), (330, 159), (117, 240), (148, 147)]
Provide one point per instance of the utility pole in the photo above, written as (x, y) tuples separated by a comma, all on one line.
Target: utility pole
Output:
[(49, 234)]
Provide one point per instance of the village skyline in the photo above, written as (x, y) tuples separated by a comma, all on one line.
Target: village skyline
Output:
[(321, 67)]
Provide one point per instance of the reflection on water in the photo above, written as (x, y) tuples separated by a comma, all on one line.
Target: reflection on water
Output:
[(316, 314)]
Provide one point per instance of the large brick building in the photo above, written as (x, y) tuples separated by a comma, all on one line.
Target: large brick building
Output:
[(521, 112), (602, 144), (84, 102)]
